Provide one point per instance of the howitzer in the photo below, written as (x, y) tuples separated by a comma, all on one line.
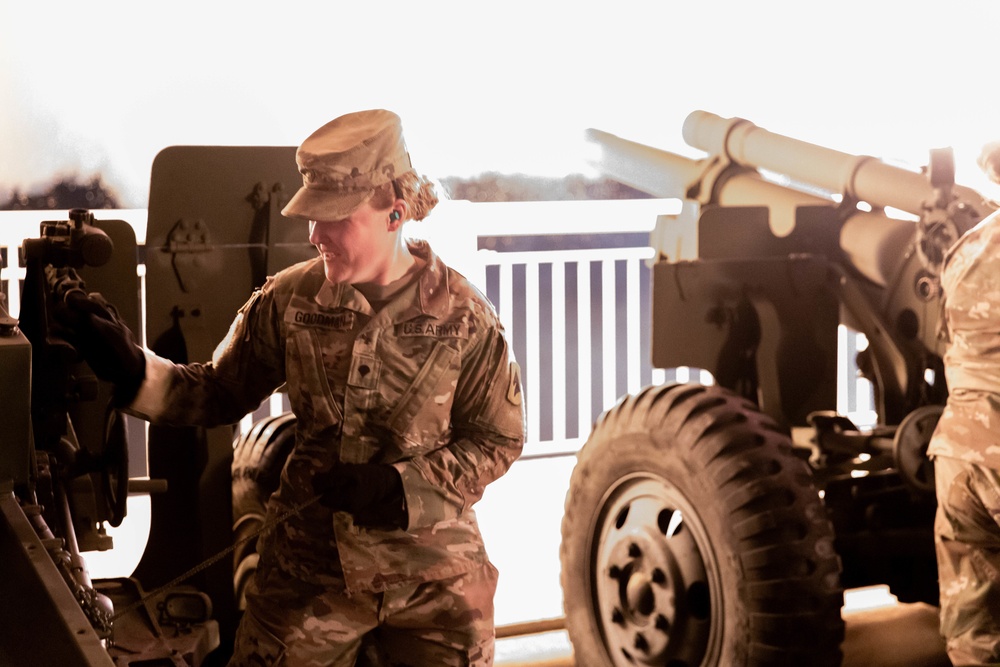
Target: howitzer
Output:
[(70, 459), (831, 204), (720, 524), (65, 472)]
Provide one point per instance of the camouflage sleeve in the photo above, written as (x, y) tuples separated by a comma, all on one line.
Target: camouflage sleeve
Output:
[(246, 367), (488, 430)]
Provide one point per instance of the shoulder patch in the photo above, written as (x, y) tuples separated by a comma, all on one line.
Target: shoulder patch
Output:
[(514, 390)]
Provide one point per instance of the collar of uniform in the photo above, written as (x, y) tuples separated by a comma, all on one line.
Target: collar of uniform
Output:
[(433, 295), (432, 288), (342, 295)]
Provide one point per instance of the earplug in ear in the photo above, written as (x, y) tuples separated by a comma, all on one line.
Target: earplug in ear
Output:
[(394, 216)]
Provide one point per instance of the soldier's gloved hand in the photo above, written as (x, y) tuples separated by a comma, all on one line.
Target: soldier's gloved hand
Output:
[(372, 492), (93, 327)]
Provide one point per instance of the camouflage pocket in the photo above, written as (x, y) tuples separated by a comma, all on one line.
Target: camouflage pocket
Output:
[(423, 411), (308, 385), (972, 522)]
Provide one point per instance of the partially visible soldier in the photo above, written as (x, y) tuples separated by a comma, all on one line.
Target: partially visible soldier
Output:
[(989, 161), (966, 443), (408, 403)]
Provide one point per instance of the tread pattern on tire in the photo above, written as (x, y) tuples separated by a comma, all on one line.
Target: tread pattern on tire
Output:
[(776, 527), (258, 457)]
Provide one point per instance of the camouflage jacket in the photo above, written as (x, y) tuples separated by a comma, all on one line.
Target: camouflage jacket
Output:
[(969, 427), (427, 384)]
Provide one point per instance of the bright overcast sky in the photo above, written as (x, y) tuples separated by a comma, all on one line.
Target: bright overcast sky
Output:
[(486, 86)]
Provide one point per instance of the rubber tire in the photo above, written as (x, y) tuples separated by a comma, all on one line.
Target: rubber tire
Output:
[(770, 591), (258, 457)]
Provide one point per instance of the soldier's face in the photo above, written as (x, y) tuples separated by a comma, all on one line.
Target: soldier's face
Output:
[(356, 249)]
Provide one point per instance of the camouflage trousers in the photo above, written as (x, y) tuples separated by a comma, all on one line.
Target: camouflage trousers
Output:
[(967, 538), (289, 623)]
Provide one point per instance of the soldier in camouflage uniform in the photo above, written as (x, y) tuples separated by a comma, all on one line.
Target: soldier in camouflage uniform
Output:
[(966, 450), (408, 403)]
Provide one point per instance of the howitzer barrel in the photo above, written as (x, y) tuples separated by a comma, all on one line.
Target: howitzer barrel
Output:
[(652, 170), (730, 176), (861, 177), (668, 175)]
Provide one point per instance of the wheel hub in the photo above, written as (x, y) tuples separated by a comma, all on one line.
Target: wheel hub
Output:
[(650, 580), (640, 598)]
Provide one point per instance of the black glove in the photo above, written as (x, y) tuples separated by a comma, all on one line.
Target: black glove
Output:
[(93, 327), (372, 492)]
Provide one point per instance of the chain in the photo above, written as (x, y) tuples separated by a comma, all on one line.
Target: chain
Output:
[(212, 560)]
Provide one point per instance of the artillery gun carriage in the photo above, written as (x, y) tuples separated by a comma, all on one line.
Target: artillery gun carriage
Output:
[(71, 458), (66, 471), (720, 525)]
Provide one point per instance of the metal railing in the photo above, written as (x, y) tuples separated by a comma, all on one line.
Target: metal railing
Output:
[(571, 283)]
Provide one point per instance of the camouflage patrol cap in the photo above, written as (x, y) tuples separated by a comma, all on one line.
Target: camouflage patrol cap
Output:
[(343, 162)]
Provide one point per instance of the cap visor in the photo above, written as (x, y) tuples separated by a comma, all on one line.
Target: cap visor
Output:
[(322, 205)]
